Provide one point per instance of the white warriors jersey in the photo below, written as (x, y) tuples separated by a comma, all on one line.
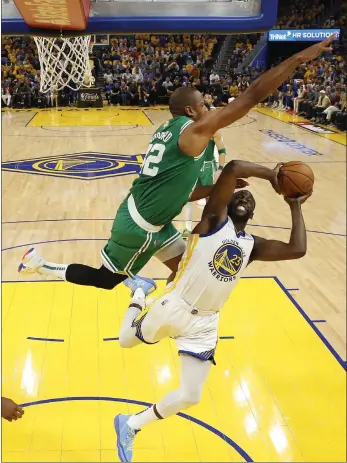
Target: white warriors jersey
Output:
[(212, 265)]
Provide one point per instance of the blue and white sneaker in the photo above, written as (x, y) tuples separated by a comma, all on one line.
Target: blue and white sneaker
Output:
[(125, 437), (146, 284), (31, 262)]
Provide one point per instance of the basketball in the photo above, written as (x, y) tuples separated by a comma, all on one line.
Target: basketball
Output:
[(295, 179)]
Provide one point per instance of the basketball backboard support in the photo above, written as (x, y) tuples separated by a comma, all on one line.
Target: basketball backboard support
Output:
[(163, 16)]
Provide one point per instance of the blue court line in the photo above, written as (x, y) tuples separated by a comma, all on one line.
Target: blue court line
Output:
[(318, 321), (45, 339), (215, 431), (175, 220), (312, 325)]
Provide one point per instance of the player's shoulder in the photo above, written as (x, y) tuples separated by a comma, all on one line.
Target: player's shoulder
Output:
[(176, 123)]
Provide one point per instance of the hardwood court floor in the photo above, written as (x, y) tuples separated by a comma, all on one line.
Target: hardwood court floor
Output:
[(278, 390)]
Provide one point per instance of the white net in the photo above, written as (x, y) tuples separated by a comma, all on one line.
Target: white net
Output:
[(64, 62)]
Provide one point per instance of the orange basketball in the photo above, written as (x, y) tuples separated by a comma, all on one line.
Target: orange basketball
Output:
[(295, 179)]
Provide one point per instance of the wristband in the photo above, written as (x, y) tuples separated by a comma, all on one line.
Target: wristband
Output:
[(222, 151)]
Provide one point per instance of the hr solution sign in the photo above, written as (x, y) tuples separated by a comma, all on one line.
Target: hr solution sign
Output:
[(301, 35)]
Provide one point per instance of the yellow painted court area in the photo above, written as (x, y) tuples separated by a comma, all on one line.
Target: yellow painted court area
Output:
[(90, 117), (277, 392), (337, 136)]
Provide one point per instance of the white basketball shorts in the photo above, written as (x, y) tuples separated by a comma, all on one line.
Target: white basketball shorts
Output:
[(195, 332)]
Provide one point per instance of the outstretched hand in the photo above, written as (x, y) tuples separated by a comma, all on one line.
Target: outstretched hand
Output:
[(298, 200), (316, 50)]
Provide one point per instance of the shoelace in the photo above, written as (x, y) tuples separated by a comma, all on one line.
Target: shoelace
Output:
[(129, 439)]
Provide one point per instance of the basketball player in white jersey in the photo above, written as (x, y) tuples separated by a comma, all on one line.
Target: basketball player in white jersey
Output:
[(219, 249)]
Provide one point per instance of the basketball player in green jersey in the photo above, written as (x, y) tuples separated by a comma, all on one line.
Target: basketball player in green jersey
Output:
[(143, 224)]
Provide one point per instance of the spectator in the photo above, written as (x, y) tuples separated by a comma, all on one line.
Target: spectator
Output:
[(144, 94), (137, 74), (124, 93), (153, 93), (167, 84), (302, 95), (108, 77), (323, 103), (214, 77), (134, 93), (127, 76), (115, 95), (6, 95)]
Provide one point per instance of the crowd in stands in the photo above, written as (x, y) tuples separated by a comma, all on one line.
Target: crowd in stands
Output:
[(244, 46), (339, 20), (317, 92), (300, 14), (145, 69)]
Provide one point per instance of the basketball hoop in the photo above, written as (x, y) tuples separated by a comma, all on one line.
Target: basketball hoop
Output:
[(64, 60)]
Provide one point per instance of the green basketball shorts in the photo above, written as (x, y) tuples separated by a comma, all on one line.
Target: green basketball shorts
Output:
[(133, 243)]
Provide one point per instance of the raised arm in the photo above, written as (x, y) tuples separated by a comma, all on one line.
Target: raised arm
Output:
[(273, 250), (195, 138), (215, 211)]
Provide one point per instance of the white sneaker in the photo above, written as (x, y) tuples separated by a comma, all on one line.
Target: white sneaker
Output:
[(31, 262), (201, 202)]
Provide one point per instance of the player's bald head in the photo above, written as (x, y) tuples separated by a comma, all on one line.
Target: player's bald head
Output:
[(186, 101)]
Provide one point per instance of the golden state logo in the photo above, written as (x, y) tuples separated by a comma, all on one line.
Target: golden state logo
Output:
[(81, 166), (227, 262)]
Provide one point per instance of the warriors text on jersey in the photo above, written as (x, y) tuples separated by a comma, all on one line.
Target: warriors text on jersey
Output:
[(212, 265), (168, 176)]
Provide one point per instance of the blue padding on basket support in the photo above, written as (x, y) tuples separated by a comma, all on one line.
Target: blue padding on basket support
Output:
[(162, 17)]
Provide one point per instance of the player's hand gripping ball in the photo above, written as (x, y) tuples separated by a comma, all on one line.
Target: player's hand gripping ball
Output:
[(295, 179)]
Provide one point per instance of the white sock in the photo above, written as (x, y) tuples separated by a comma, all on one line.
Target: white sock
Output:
[(133, 311), (141, 419), (189, 216), (127, 332), (138, 297), (52, 269)]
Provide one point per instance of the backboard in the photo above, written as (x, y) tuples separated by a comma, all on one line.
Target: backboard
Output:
[(150, 16)]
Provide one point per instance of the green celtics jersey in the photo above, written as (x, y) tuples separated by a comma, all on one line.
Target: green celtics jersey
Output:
[(168, 176)]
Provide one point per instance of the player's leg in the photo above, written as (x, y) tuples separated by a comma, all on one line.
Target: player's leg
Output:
[(130, 331), (123, 248), (206, 179), (196, 338), (194, 373), (171, 248), (78, 274)]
